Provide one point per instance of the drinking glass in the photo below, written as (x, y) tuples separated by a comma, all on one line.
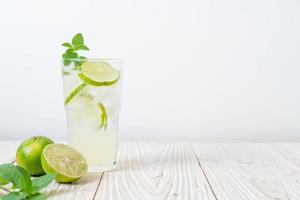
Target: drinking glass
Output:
[(92, 109)]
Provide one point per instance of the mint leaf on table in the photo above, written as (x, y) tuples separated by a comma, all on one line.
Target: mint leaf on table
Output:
[(3, 181), (38, 196), (13, 175), (23, 188), (25, 180), (41, 182), (71, 55), (13, 196)]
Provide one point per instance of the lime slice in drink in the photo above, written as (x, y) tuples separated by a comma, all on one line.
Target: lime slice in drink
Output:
[(83, 109), (74, 93), (103, 115), (98, 73), (68, 163)]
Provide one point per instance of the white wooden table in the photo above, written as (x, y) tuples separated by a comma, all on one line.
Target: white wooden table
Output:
[(188, 171)]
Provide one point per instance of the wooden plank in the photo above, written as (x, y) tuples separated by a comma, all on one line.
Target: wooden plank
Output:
[(284, 161), (84, 189), (244, 172), (8, 151), (153, 171), (290, 152)]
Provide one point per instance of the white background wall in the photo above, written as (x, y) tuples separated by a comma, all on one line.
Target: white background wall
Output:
[(211, 70)]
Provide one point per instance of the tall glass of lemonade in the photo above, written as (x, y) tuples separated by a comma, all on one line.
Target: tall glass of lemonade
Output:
[(92, 98)]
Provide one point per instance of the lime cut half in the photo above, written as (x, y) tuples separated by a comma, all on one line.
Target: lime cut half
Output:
[(66, 162), (98, 73)]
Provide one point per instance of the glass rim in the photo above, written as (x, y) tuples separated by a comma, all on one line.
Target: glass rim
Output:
[(93, 59)]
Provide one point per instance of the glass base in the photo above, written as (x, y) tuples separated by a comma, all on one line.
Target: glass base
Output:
[(102, 168)]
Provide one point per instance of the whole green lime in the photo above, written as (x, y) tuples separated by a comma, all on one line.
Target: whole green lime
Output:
[(29, 154)]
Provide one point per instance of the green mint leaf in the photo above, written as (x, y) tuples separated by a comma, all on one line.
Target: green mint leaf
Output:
[(67, 62), (77, 40), (68, 56), (41, 182), (82, 58), (77, 65), (66, 44), (9, 173), (13, 196), (38, 196), (83, 47), (70, 53), (3, 181), (16, 175), (26, 180)]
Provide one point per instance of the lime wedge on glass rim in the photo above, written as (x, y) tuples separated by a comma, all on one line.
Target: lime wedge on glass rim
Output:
[(66, 162), (98, 73)]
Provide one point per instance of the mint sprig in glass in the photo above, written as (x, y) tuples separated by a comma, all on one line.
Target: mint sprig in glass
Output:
[(92, 92)]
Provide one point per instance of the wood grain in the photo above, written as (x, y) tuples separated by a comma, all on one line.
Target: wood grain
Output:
[(155, 172), (8, 151), (245, 172), (284, 161), (84, 189), (182, 171)]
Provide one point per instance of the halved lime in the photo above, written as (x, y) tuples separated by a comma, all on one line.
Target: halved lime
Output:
[(62, 159), (98, 73)]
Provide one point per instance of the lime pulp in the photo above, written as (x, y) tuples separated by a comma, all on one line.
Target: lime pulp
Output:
[(66, 162)]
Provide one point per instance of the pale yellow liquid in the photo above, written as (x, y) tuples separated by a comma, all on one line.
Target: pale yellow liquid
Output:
[(98, 145)]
